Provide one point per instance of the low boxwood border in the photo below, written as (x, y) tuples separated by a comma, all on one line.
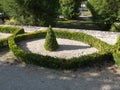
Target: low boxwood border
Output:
[(12, 30), (104, 54), (116, 52)]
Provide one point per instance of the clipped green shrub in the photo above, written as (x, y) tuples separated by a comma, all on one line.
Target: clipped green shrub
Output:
[(50, 41), (116, 52), (116, 56), (115, 27), (104, 54), (13, 30)]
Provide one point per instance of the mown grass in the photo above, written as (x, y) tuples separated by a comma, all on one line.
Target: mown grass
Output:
[(81, 23)]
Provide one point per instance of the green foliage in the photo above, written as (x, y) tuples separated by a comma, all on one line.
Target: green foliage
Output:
[(47, 61), (116, 53), (50, 41), (44, 12), (70, 8), (97, 43), (77, 24), (16, 11), (30, 12), (103, 12), (115, 27), (14, 31), (1, 8), (116, 56), (3, 42)]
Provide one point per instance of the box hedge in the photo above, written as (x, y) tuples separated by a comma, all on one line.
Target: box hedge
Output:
[(12, 30), (104, 54)]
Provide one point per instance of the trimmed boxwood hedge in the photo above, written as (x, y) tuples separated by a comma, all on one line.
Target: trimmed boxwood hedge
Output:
[(104, 54), (116, 53), (12, 30)]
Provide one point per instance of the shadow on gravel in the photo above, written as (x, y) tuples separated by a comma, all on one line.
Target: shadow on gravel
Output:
[(72, 47), (3, 51), (34, 77), (102, 76)]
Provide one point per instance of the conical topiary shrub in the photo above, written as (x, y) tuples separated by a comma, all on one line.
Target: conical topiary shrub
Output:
[(50, 41)]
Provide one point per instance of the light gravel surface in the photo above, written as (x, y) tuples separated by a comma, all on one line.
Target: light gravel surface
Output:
[(108, 37), (15, 75), (19, 76), (67, 48), (4, 35)]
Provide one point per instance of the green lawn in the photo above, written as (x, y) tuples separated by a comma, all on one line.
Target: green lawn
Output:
[(77, 24)]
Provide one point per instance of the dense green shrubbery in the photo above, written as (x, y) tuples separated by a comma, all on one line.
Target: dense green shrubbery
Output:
[(43, 12), (14, 31), (104, 54), (50, 40), (3, 42), (103, 12), (70, 8), (115, 27), (31, 12)]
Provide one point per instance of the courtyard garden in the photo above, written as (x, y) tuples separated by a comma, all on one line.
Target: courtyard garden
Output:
[(59, 44), (72, 43)]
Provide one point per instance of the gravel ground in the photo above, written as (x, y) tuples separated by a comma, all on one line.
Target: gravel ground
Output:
[(4, 35), (19, 76), (67, 48), (15, 75), (108, 37)]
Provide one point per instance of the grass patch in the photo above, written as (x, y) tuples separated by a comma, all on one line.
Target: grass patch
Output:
[(77, 24)]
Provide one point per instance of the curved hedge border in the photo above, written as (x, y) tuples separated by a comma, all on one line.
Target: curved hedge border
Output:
[(116, 53), (12, 30), (104, 54)]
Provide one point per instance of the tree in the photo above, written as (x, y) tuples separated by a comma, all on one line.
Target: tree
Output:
[(104, 11), (44, 12), (50, 41), (33, 12), (70, 8), (13, 10)]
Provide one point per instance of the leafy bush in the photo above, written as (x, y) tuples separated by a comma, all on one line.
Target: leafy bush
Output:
[(50, 42), (115, 27), (104, 54), (12, 21), (70, 8), (43, 12), (103, 12)]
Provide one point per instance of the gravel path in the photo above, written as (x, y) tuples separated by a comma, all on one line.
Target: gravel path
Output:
[(67, 48), (15, 75), (4, 35), (108, 37), (18, 76)]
